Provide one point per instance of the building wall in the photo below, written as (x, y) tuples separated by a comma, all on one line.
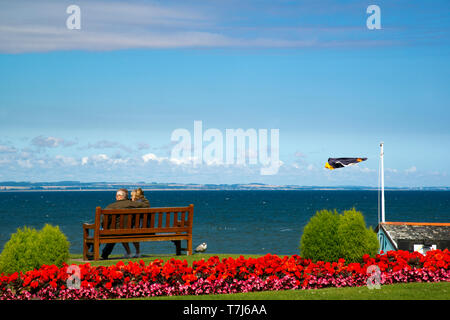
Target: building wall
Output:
[(385, 244)]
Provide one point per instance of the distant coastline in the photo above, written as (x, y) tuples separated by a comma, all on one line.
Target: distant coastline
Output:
[(13, 186)]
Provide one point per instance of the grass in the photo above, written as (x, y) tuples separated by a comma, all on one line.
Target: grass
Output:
[(114, 259), (403, 291), (406, 291)]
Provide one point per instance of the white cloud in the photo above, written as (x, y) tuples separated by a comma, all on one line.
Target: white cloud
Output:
[(25, 163), (106, 144), (411, 170), (366, 170), (301, 166), (4, 161), (175, 161), (7, 149), (103, 159), (299, 154), (100, 157), (213, 162), (183, 161), (152, 157), (69, 161), (50, 142)]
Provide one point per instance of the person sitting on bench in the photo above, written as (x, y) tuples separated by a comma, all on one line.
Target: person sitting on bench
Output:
[(136, 195), (122, 202)]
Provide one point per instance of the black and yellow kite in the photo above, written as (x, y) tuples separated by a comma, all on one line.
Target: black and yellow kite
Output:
[(335, 163)]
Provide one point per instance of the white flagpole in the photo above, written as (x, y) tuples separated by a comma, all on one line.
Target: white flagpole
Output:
[(382, 181)]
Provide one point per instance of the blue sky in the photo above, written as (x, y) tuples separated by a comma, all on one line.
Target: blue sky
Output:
[(90, 104)]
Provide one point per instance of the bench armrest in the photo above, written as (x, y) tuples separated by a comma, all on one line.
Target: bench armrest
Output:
[(88, 225)]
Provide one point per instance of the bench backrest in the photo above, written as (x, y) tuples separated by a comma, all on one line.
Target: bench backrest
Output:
[(147, 220)]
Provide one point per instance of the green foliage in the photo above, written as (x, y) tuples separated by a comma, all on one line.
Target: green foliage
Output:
[(52, 246), (29, 249), (19, 252), (319, 241), (373, 244), (354, 238), (329, 236)]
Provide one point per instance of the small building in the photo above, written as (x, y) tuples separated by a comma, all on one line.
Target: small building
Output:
[(413, 236)]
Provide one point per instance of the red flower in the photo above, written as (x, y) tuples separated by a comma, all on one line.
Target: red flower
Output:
[(26, 281), (34, 284), (396, 266), (13, 277)]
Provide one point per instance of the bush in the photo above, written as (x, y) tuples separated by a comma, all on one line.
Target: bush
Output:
[(329, 236), (53, 246), (29, 249), (318, 241), (20, 252), (354, 238)]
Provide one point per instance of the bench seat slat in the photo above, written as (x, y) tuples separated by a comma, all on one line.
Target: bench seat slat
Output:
[(143, 210), (140, 238), (120, 232)]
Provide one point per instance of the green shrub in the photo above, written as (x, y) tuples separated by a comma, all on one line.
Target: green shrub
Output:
[(53, 246), (354, 238), (29, 249), (329, 236), (20, 252), (318, 241)]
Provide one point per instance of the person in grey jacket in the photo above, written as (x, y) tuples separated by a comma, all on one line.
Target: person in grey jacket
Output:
[(136, 196), (122, 202)]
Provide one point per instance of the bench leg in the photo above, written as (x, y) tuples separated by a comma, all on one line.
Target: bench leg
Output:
[(96, 250), (189, 247), (177, 244), (85, 246), (85, 249)]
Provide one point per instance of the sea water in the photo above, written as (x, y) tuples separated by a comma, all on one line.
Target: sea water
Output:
[(258, 222)]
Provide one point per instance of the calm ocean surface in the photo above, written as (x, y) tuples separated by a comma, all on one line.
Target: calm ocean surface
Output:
[(228, 221)]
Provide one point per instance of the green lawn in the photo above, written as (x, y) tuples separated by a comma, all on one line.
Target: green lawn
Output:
[(408, 291), (77, 258)]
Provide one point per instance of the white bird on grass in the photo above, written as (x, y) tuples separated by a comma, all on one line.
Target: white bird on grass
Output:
[(201, 247)]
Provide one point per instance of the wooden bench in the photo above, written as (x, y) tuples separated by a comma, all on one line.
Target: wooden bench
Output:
[(139, 225)]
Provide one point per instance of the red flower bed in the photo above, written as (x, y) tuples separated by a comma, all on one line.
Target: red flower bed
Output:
[(176, 277)]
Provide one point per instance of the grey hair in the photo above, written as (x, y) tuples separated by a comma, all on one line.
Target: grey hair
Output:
[(122, 193)]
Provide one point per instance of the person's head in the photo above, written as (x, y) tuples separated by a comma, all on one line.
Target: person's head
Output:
[(122, 194), (137, 194)]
